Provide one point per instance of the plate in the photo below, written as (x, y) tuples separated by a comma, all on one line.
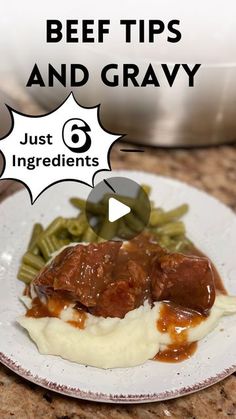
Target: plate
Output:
[(211, 226)]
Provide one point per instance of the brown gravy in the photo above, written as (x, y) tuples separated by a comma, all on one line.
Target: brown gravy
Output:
[(53, 308), (176, 353), (177, 320), (217, 279), (80, 322)]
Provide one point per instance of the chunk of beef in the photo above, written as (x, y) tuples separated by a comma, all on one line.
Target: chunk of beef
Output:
[(124, 295), (83, 272), (184, 280), (115, 301), (110, 281)]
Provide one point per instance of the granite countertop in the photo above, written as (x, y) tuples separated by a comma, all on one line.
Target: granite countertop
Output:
[(213, 170)]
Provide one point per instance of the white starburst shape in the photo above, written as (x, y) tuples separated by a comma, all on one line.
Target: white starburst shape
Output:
[(66, 144)]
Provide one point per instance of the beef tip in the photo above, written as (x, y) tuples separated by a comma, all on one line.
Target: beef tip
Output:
[(82, 272), (117, 299), (107, 280), (124, 295), (139, 281), (145, 246), (184, 280)]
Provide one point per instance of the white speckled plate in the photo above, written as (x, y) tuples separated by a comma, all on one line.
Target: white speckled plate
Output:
[(212, 227)]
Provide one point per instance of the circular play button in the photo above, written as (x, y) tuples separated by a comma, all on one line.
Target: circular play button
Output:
[(118, 208)]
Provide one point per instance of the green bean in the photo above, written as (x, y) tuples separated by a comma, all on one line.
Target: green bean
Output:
[(108, 229), (35, 262), (48, 245), (32, 246), (181, 244), (98, 223), (124, 231), (55, 226), (164, 241), (62, 243), (171, 229), (141, 197), (89, 235), (64, 234), (37, 229), (130, 202), (35, 250), (134, 204), (158, 219), (146, 188), (26, 273), (133, 222), (76, 226), (76, 239), (94, 208), (142, 205)]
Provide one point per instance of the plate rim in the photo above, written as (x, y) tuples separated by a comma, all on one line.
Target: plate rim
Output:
[(110, 398)]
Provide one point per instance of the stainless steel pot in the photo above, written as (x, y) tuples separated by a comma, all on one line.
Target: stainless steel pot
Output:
[(162, 116), (169, 117)]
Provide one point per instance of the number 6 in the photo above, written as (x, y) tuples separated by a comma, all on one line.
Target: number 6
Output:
[(75, 135)]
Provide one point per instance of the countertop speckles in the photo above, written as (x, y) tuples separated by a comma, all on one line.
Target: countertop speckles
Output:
[(24, 400), (210, 169), (213, 170)]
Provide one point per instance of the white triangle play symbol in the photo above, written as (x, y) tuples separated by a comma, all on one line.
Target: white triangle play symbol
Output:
[(116, 209)]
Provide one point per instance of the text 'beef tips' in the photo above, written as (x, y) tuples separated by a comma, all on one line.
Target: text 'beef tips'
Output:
[(110, 279)]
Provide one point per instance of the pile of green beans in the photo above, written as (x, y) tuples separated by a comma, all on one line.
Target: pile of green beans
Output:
[(165, 227)]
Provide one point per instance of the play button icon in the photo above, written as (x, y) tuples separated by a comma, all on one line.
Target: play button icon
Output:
[(116, 210)]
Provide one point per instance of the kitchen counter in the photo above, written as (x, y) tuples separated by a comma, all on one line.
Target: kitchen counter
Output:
[(213, 170)]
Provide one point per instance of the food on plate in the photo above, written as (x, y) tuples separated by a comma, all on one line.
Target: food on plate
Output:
[(119, 303), (165, 226), (114, 342), (111, 278)]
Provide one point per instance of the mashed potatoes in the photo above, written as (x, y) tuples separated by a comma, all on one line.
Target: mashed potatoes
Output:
[(115, 342)]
